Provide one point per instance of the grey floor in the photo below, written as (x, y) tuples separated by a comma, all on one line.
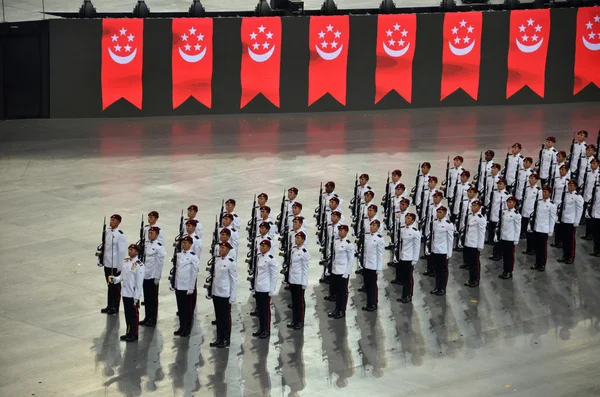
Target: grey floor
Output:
[(24, 10), (537, 335)]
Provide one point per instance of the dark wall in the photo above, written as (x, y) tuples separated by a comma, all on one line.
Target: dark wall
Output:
[(75, 68)]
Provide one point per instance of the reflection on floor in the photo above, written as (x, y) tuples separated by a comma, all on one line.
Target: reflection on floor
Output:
[(535, 335)]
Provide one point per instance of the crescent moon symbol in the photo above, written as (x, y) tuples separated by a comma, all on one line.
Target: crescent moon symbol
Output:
[(395, 53), (261, 58), (590, 46), (529, 48), (122, 60), (329, 56), (192, 58), (461, 51)]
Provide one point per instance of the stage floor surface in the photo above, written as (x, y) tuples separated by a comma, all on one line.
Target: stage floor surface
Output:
[(535, 335)]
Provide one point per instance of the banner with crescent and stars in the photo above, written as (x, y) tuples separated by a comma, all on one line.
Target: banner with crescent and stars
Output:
[(587, 48), (329, 37), (261, 59), (461, 56), (122, 60), (192, 60), (527, 51), (395, 51)]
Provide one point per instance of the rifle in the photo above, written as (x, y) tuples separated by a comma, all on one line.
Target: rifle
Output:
[(562, 203), (464, 229), (319, 209), (142, 242), (583, 189), (210, 266), (176, 250), (355, 202), (570, 156), (100, 248), (360, 249), (386, 199), (331, 257), (251, 228), (398, 243), (482, 193), (490, 205), (287, 257), (533, 216), (538, 164), (516, 182), (592, 202), (521, 202), (552, 174), (478, 175), (325, 257), (415, 188), (499, 225), (454, 198), (505, 170), (281, 221), (446, 182), (251, 260), (221, 213)]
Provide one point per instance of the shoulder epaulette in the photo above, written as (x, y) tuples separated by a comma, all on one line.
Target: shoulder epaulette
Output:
[(231, 259), (415, 229), (120, 231), (368, 187), (233, 230), (520, 155), (159, 244), (479, 215), (271, 256), (192, 253), (348, 241), (269, 238), (197, 238), (447, 221), (553, 149), (235, 215), (303, 249), (335, 195), (379, 235)]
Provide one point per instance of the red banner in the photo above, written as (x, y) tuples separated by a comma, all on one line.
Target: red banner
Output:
[(261, 59), (461, 56), (396, 41), (527, 50), (587, 48), (122, 59), (192, 60), (328, 45)]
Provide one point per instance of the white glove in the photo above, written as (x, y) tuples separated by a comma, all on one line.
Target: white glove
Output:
[(448, 257), (156, 281), (529, 230), (345, 276), (587, 215), (550, 234), (136, 302), (479, 249), (270, 294), (327, 273), (495, 238), (413, 263), (190, 291), (516, 243), (427, 251), (304, 287), (575, 224), (171, 288), (231, 302), (98, 263)]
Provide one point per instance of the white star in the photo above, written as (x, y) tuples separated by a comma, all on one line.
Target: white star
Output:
[(463, 23), (389, 33), (117, 48), (588, 25), (187, 47), (404, 33), (253, 36), (324, 44), (470, 29), (466, 39), (538, 28), (525, 37), (334, 44), (127, 48), (114, 37), (401, 43), (184, 37), (534, 37), (321, 34), (123, 31), (337, 34), (396, 26), (197, 47), (592, 35), (329, 28), (269, 35), (597, 18), (200, 37), (261, 29), (130, 37), (456, 40), (192, 30), (522, 28), (530, 22), (455, 30), (256, 46), (265, 45), (391, 42)]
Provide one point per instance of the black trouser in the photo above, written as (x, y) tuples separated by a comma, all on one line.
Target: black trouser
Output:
[(507, 249), (558, 234), (540, 244), (194, 298), (528, 235), (568, 240), (370, 279), (332, 290), (441, 270), (430, 265), (113, 295), (263, 305), (595, 226), (185, 309), (223, 316), (491, 231), (341, 292), (404, 273), (588, 224), (298, 306), (151, 299), (471, 258), (132, 316)]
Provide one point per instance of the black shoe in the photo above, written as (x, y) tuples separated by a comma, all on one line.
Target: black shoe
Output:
[(389, 247), (143, 303), (185, 332), (596, 254), (463, 267), (254, 313), (105, 310), (124, 337), (428, 273), (534, 267), (459, 250), (329, 298), (224, 344), (359, 271), (569, 261), (472, 284), (362, 289), (391, 264), (340, 315), (177, 314), (505, 276), (431, 274), (112, 311), (299, 326), (528, 252), (150, 323), (332, 314), (131, 338), (559, 245), (586, 237), (495, 258), (369, 308), (264, 335), (287, 287), (258, 333), (434, 291), (215, 343), (541, 268), (563, 259), (290, 306), (441, 292), (144, 321), (178, 332), (213, 322), (405, 299), (291, 325)]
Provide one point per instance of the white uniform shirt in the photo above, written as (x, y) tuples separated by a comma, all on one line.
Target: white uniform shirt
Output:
[(374, 247), (362, 190), (515, 162), (583, 168), (511, 226), (560, 184), (266, 274), (431, 216), (466, 209), (161, 234), (115, 248), (475, 230), (485, 170), (155, 254), (578, 151), (545, 217), (442, 238), (532, 194), (298, 273), (572, 208), (492, 185), (461, 194), (595, 204), (422, 184), (225, 278), (453, 180), (196, 245), (187, 270), (522, 182), (592, 177), (343, 258), (131, 278), (410, 241), (546, 161), (499, 204)]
